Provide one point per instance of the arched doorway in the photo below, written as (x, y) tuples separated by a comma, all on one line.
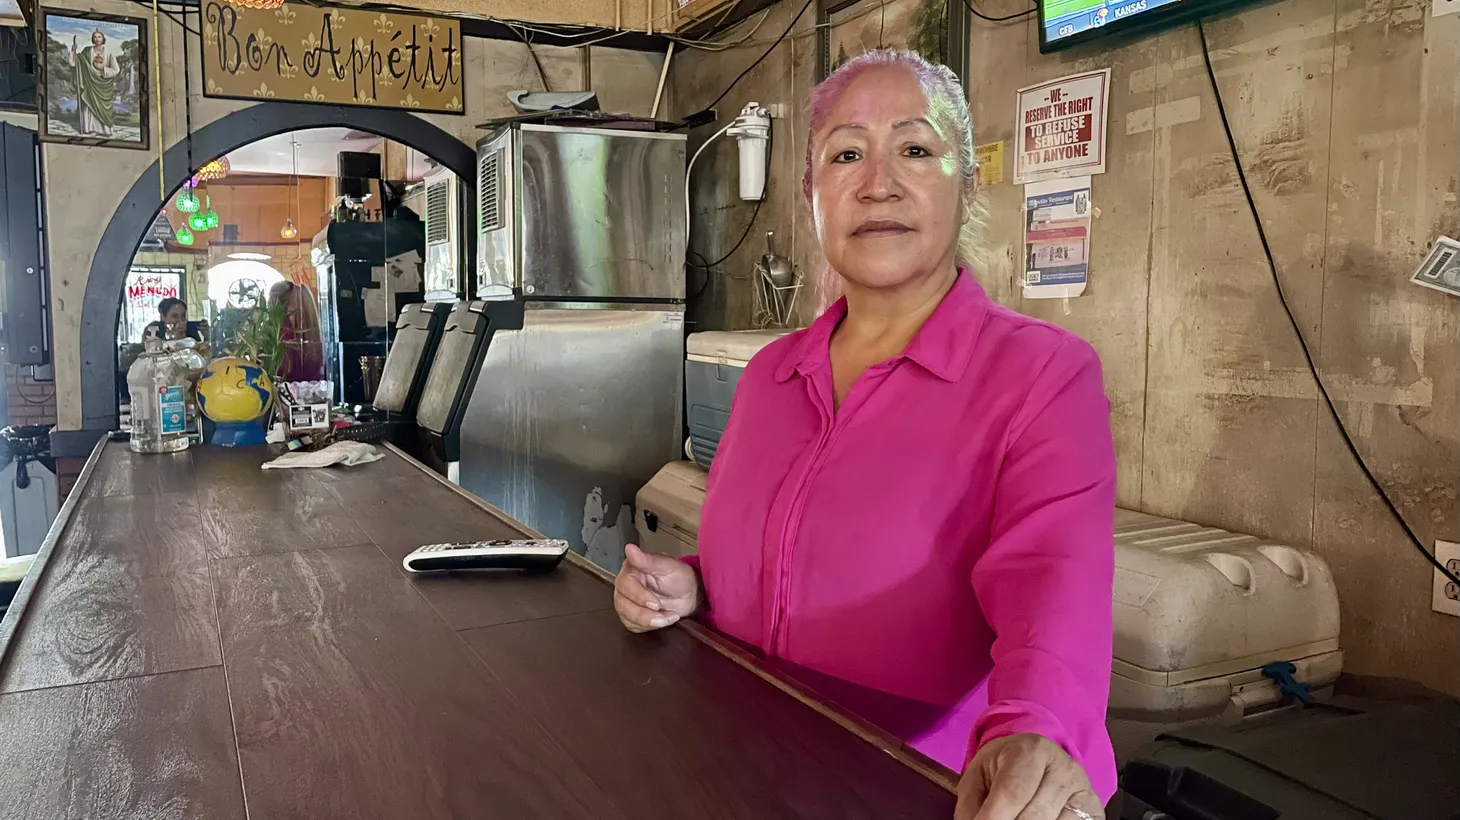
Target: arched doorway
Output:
[(125, 230)]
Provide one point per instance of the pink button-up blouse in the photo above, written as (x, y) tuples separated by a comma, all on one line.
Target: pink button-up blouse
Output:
[(936, 554)]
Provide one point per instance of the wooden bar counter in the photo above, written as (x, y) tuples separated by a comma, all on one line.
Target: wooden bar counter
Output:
[(204, 639)]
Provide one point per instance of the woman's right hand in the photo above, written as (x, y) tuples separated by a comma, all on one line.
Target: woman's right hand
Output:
[(653, 591)]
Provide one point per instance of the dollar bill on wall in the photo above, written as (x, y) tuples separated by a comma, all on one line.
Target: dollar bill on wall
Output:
[(1441, 269)]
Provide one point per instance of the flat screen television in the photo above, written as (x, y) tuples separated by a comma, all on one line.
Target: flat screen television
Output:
[(1064, 23)]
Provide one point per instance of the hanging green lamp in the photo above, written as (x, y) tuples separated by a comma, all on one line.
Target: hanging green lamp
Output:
[(198, 222), (187, 201), (211, 215), (184, 236)]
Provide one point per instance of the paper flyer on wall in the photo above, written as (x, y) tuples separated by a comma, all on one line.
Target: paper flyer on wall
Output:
[(1056, 238)]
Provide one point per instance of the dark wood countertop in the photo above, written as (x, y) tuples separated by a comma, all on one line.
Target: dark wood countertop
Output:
[(205, 639)]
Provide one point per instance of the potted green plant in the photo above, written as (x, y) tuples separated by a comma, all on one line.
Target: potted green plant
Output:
[(259, 336)]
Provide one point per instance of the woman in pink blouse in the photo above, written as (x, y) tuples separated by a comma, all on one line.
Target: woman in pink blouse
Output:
[(912, 504)]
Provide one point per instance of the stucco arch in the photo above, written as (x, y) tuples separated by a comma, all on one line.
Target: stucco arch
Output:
[(138, 209)]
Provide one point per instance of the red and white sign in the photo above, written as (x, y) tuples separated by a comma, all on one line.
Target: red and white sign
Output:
[(147, 289), (1061, 128)]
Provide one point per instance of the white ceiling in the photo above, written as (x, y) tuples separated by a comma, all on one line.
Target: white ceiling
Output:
[(318, 149)]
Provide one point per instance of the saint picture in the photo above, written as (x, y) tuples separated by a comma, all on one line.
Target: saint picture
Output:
[(94, 81), (859, 26)]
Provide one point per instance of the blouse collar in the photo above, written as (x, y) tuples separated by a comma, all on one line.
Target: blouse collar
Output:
[(943, 346)]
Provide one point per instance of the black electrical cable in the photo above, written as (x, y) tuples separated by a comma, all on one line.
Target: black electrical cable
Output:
[(980, 15), (1308, 786), (708, 267), (762, 57), (47, 399), (748, 225), (1297, 329), (541, 75), (691, 265)]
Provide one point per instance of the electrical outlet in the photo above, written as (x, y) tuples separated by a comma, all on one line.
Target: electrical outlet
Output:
[(1447, 595), (777, 110)]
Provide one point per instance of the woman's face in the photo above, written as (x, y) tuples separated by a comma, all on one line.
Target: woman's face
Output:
[(176, 316), (886, 192)]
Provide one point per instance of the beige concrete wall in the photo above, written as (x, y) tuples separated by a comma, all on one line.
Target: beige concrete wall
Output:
[(85, 185), (1345, 114)]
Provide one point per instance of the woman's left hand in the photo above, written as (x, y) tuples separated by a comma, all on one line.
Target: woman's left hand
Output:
[(1025, 777)]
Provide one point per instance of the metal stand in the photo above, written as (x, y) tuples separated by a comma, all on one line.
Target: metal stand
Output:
[(775, 304)]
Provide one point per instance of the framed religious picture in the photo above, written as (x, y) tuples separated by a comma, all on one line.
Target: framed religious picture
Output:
[(854, 27), (92, 83)]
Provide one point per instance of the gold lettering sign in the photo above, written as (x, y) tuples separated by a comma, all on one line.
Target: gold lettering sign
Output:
[(339, 56)]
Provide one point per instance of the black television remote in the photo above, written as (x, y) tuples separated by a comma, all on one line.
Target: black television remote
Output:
[(529, 555)]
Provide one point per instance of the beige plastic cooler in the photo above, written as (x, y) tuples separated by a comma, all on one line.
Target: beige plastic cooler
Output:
[(1199, 612), (668, 508)]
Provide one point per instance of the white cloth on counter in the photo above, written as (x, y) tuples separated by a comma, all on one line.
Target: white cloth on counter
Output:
[(346, 453)]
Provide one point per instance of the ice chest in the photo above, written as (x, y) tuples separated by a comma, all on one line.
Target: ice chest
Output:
[(713, 363), (1199, 612), (668, 508)]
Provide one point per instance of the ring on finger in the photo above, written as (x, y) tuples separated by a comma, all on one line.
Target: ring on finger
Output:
[(1080, 814)]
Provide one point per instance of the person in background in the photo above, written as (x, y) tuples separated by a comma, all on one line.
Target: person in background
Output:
[(172, 323), (304, 347), (912, 506)]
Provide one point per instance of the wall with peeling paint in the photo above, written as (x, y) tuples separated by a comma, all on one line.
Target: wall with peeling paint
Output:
[(1345, 114)]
